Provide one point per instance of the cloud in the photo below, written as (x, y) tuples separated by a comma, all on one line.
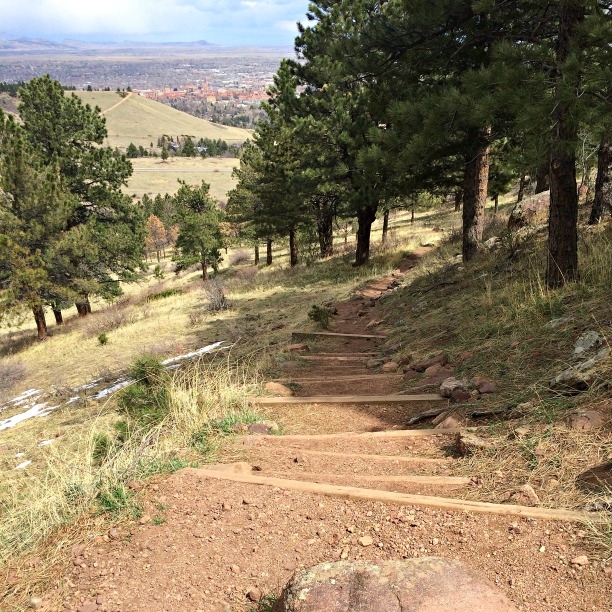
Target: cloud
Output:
[(220, 21)]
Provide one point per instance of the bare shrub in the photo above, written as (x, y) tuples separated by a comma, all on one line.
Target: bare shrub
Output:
[(239, 257), (113, 317), (214, 290), (11, 373), (247, 273), (195, 318)]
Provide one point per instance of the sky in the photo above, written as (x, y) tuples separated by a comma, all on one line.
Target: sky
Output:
[(223, 22)]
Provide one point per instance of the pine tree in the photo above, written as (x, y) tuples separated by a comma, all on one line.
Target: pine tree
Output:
[(199, 238)]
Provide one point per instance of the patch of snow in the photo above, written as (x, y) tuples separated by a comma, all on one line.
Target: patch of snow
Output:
[(19, 455), (23, 465), (45, 443), (76, 398), (38, 410), (89, 385), (118, 385), (197, 353), (20, 399)]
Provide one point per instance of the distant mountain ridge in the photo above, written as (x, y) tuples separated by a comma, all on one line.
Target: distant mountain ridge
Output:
[(25, 44)]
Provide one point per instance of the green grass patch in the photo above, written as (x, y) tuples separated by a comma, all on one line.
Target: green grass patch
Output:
[(166, 293)]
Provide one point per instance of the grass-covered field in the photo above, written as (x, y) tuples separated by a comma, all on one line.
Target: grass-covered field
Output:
[(152, 176)]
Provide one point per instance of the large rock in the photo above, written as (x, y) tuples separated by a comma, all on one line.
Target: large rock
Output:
[(428, 584), (452, 385), (585, 420), (531, 211), (421, 366), (597, 479), (581, 376), (274, 388), (587, 343)]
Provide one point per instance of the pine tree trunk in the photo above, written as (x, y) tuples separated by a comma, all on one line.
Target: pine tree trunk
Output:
[(412, 216), (268, 252), (41, 323), (496, 200), (325, 228), (204, 263), (475, 195), (83, 306), (385, 229), (603, 183), (458, 199), (542, 177), (293, 249), (365, 217), (562, 263), (59, 319), (256, 254), (521, 189)]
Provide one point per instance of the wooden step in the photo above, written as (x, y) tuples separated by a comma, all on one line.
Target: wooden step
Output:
[(348, 378), (409, 479), (389, 433), (347, 399), (323, 357), (360, 354), (237, 473), (391, 458), (300, 334)]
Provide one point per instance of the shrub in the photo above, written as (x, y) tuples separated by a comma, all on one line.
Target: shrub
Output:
[(103, 339), (321, 315), (11, 374), (247, 274), (158, 273), (146, 402), (109, 319), (102, 445), (215, 294), (166, 293), (239, 257)]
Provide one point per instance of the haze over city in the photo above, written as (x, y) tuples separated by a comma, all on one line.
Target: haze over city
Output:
[(223, 22)]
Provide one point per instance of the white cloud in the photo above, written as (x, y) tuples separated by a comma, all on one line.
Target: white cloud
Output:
[(216, 20)]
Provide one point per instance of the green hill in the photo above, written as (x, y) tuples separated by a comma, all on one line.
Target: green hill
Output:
[(141, 121)]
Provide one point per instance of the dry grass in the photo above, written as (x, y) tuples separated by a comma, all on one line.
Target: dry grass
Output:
[(152, 176)]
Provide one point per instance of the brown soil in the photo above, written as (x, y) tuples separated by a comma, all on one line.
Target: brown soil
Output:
[(213, 545)]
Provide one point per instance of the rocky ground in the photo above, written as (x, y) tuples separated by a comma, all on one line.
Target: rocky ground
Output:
[(207, 544)]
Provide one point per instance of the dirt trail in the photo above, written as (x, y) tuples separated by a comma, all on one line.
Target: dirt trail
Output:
[(114, 106), (215, 545)]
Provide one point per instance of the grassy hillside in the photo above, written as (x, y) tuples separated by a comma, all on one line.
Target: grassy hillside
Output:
[(492, 317), (141, 121)]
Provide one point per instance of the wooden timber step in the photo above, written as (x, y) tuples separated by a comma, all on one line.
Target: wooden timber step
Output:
[(360, 354), (409, 479), (389, 433), (349, 377), (392, 458), (347, 399), (345, 357), (300, 334), (233, 473)]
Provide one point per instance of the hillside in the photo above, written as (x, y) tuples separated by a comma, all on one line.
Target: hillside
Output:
[(141, 121), (491, 321)]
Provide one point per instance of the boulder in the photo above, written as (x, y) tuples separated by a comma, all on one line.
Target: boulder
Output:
[(452, 421), (429, 584), (523, 496), (467, 443), (421, 366), (484, 386), (258, 429), (597, 479), (374, 363), (579, 377), (274, 388), (585, 420), (587, 343), (390, 367), (452, 385), (531, 211)]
